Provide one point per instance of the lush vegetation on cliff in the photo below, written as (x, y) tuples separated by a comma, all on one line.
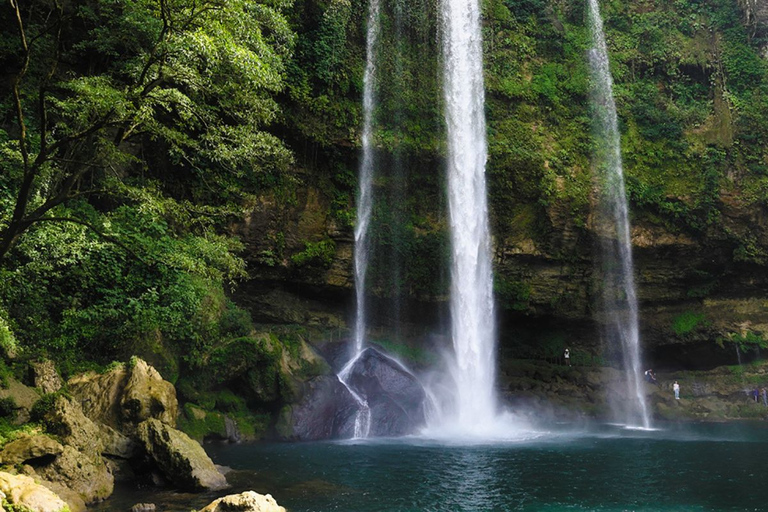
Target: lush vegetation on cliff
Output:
[(132, 132), (135, 133)]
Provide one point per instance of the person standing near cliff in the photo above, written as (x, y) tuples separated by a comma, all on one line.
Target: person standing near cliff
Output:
[(676, 388), (567, 356)]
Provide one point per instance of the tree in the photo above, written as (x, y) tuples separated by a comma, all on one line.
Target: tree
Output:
[(125, 101)]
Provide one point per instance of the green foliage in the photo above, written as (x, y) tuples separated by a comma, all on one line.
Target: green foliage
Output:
[(75, 294), (155, 135), (251, 362), (43, 406), (10, 431), (5, 374), (235, 322), (745, 341), (8, 343), (319, 254), (511, 294), (688, 322), (7, 407), (114, 365), (198, 428)]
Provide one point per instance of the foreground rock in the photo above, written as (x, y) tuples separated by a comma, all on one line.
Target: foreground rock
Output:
[(180, 458), (22, 492), (127, 395), (248, 501), (85, 474), (394, 395), (23, 396), (327, 411), (45, 376), (80, 466), (28, 449)]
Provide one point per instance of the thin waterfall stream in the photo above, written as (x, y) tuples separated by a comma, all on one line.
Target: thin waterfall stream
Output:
[(619, 284), (364, 212)]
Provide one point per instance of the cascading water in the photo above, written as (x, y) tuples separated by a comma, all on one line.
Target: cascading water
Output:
[(472, 307), (364, 211), (619, 285)]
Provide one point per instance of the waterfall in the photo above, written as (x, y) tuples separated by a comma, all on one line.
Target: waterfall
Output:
[(619, 285), (364, 211), (365, 192), (472, 308)]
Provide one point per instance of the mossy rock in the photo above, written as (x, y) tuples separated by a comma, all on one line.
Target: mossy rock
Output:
[(238, 424), (180, 458), (26, 447), (200, 424)]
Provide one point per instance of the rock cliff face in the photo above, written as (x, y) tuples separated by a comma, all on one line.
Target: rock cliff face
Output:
[(694, 154), (691, 291)]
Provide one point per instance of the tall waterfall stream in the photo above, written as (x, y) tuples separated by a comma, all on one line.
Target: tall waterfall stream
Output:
[(472, 307), (620, 297)]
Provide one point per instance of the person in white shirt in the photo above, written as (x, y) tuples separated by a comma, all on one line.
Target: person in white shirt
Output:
[(676, 388), (567, 356)]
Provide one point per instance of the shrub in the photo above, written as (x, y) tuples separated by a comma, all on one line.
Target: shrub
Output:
[(687, 322), (7, 407)]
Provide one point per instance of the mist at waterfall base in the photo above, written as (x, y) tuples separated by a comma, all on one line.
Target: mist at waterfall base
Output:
[(690, 467)]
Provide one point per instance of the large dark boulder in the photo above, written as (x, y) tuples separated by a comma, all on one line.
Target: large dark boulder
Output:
[(336, 353), (394, 395), (327, 411)]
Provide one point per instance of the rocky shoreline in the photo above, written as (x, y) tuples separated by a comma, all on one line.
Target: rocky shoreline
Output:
[(75, 440), (68, 443)]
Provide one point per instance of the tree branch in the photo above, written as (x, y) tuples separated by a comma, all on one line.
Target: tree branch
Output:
[(44, 84), (16, 87), (98, 125), (13, 229)]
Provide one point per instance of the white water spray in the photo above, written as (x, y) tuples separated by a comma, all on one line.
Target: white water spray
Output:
[(364, 211), (472, 308), (619, 285)]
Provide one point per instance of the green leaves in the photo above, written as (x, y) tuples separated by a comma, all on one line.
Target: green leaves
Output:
[(146, 123)]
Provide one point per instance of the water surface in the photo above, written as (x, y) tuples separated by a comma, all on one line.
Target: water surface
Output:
[(681, 468)]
